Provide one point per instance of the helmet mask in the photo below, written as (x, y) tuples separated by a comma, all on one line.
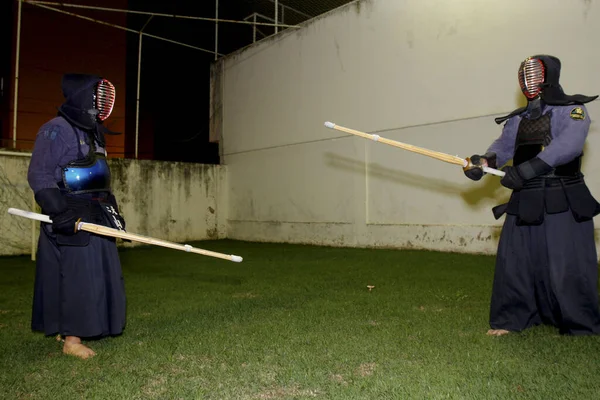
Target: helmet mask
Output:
[(104, 99), (532, 76)]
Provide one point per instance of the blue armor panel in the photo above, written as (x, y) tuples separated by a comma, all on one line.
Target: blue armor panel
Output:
[(93, 177)]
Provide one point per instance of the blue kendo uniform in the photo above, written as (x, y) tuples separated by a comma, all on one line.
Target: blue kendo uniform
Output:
[(546, 265), (79, 288)]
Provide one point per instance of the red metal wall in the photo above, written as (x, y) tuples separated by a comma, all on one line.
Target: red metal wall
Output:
[(53, 44)]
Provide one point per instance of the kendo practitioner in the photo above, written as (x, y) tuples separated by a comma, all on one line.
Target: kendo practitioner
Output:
[(79, 289), (546, 267)]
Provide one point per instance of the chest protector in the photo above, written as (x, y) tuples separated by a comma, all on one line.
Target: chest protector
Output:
[(86, 174), (86, 185), (532, 137), (560, 190)]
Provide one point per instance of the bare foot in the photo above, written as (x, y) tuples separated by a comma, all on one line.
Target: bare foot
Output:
[(497, 332), (74, 347)]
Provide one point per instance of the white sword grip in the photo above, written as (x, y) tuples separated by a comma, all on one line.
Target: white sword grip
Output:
[(493, 171)]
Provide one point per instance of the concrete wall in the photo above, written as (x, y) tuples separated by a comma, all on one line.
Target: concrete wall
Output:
[(179, 202), (430, 73)]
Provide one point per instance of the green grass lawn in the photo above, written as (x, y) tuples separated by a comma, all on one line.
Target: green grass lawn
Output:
[(295, 322)]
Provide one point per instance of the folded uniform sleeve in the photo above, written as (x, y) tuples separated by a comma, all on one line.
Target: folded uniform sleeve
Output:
[(50, 146), (570, 127), (504, 146)]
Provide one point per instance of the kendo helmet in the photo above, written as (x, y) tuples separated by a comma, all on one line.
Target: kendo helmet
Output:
[(89, 99)]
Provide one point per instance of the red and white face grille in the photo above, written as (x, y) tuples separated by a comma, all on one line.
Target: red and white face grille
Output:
[(531, 76), (105, 99)]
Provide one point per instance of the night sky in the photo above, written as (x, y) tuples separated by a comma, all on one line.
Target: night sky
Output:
[(175, 87)]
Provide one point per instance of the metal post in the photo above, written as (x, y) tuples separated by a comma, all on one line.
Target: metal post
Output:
[(16, 99), (137, 99), (254, 29), (276, 13), (139, 75), (216, 28), (283, 7)]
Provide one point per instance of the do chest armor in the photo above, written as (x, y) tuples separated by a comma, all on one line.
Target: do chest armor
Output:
[(562, 189), (91, 174), (86, 174), (532, 137)]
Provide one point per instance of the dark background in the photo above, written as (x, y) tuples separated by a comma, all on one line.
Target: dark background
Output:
[(175, 80)]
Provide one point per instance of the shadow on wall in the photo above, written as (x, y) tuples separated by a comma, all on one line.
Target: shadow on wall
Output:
[(391, 175), (487, 188)]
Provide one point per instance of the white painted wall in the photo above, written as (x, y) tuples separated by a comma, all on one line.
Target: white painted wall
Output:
[(433, 73), (179, 202)]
